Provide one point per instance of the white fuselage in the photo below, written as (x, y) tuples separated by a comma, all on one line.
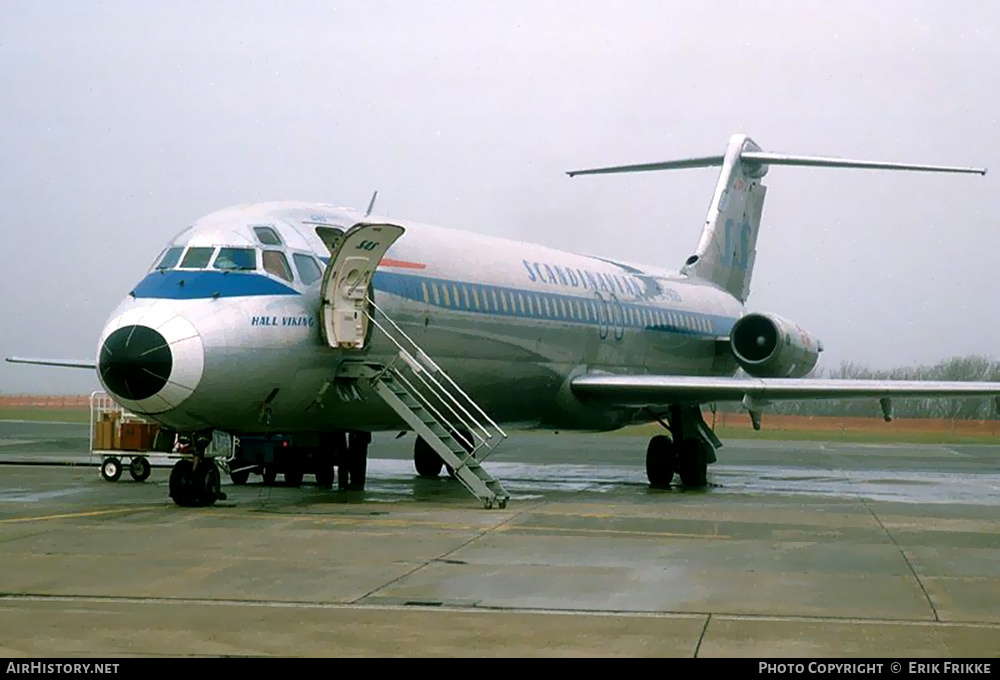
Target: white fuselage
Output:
[(511, 323)]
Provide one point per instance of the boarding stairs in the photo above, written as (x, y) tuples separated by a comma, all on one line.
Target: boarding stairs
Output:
[(437, 409)]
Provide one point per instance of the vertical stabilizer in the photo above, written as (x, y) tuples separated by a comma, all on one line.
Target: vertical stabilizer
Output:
[(728, 245)]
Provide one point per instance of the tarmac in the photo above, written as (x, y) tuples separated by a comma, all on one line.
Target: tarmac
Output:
[(798, 549)]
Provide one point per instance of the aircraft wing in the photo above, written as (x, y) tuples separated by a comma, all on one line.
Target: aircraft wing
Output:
[(65, 363), (663, 390)]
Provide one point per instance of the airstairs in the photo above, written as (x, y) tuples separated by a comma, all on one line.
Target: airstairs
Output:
[(435, 407)]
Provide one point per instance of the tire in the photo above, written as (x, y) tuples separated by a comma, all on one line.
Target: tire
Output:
[(182, 483), (426, 460), (240, 477), (661, 459), (293, 477), (111, 469), (140, 469), (210, 486), (692, 464)]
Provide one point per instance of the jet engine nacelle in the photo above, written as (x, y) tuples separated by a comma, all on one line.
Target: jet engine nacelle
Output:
[(768, 346)]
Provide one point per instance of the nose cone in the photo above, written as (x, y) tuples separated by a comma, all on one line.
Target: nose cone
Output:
[(135, 362), (150, 358)]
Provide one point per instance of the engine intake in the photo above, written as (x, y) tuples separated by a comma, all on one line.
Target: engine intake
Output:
[(768, 346)]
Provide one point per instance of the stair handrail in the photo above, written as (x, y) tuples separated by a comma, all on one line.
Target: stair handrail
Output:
[(464, 457), (438, 390), (422, 356)]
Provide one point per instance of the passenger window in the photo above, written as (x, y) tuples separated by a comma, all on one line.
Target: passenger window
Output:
[(308, 270), (520, 300), (423, 286), (445, 295), (496, 305), (437, 296), (548, 310), (170, 258), (503, 301), (236, 259), (465, 296), (562, 304), (197, 258), (276, 263), (267, 235)]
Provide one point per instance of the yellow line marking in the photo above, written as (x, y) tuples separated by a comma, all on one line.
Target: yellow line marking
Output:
[(72, 514)]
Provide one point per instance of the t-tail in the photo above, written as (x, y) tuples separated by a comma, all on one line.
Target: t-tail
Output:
[(728, 245)]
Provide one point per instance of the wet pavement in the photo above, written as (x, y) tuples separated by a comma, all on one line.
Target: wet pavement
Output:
[(798, 549)]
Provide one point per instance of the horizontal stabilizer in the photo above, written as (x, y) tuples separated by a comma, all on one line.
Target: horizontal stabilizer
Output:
[(64, 363), (755, 159), (764, 158), (702, 162)]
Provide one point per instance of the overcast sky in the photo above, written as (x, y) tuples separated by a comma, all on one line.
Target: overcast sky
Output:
[(123, 122)]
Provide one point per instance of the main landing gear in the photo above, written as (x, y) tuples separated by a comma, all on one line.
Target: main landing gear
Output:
[(688, 451)]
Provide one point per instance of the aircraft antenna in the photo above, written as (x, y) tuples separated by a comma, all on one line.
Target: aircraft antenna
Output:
[(371, 204)]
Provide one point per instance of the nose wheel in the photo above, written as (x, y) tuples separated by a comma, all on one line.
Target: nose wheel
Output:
[(195, 482)]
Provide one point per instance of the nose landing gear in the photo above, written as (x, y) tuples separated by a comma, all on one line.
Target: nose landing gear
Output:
[(195, 482)]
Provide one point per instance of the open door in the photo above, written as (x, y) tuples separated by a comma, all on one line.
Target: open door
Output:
[(347, 279)]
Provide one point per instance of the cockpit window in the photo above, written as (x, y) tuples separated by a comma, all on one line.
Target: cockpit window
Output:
[(276, 263), (170, 258), (236, 259), (309, 271), (197, 258), (267, 235)]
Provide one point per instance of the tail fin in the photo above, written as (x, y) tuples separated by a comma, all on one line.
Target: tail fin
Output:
[(727, 249)]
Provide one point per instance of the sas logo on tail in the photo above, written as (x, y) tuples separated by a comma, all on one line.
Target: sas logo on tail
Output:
[(736, 246)]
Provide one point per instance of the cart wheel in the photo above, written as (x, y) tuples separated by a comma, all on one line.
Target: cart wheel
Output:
[(139, 469), (111, 469)]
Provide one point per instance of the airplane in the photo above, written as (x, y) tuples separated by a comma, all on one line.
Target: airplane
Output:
[(313, 321)]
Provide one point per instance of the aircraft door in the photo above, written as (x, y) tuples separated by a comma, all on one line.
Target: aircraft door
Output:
[(347, 279)]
